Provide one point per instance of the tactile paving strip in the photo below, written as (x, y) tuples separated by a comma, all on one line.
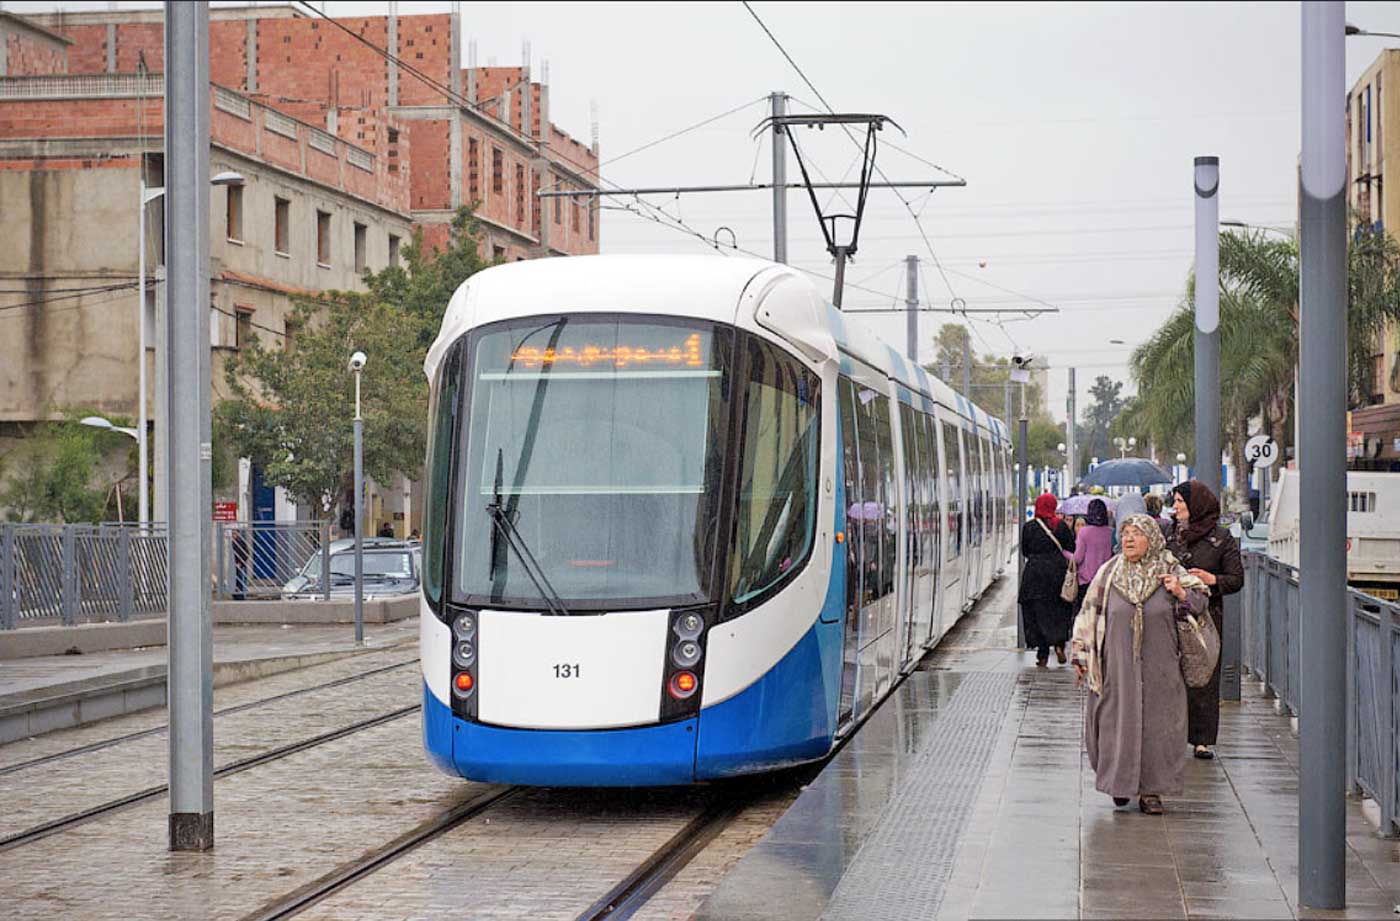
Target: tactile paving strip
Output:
[(903, 867)]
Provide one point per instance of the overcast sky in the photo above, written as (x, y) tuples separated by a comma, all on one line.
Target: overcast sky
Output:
[(1075, 126)]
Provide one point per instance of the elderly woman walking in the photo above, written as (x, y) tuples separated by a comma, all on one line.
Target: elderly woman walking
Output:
[(1212, 554), (1125, 646), (1045, 540)]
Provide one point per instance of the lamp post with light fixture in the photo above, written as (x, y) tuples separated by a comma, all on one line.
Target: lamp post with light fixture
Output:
[(357, 364)]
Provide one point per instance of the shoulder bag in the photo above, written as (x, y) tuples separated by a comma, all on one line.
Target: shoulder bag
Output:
[(1199, 644), (1069, 588)]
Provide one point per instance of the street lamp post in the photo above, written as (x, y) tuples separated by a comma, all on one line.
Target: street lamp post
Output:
[(357, 364), (148, 195), (1124, 444)]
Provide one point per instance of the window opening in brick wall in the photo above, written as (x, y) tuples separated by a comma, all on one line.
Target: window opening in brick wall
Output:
[(360, 232), (497, 170), (574, 220), (558, 207), (234, 217), (282, 232), (242, 326), (323, 238), (498, 254), (393, 249), (519, 194), (473, 171)]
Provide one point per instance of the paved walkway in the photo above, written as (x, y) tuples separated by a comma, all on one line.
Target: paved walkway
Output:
[(967, 796)]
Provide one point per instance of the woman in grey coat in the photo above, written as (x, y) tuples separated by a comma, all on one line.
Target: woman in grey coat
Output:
[(1125, 647)]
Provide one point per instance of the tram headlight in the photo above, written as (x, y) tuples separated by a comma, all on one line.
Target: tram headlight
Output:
[(463, 653), (464, 627), (689, 626), (686, 653)]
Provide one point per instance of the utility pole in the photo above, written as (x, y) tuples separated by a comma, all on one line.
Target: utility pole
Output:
[(1207, 182), (1007, 396), (191, 640), (1023, 461), (779, 102), (1322, 574), (967, 363), (911, 307), (1071, 424)]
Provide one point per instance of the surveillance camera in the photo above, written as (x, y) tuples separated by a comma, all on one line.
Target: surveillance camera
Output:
[(357, 361), (1022, 361)]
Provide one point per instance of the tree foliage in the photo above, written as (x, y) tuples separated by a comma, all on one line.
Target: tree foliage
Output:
[(56, 475), (292, 407)]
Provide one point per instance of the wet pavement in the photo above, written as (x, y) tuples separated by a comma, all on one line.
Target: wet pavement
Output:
[(936, 810)]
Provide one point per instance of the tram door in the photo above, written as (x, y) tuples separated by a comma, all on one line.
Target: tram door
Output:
[(921, 529), (933, 522), (867, 448)]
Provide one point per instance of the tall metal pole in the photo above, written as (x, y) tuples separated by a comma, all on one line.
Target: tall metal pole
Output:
[(359, 517), (911, 307), (1322, 576), (1207, 181), (1007, 397), (779, 102), (191, 638), (967, 364), (143, 497), (1023, 461), (838, 290), (1071, 425)]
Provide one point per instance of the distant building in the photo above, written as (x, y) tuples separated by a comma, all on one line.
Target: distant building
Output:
[(1373, 140)]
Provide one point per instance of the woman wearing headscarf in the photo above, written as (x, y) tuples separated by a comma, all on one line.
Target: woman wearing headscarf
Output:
[(1125, 647), (1093, 546), (1212, 554), (1044, 541)]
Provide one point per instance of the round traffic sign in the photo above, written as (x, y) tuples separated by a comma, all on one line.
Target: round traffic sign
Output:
[(1260, 451)]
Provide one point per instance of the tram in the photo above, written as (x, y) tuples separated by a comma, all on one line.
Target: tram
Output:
[(684, 520)]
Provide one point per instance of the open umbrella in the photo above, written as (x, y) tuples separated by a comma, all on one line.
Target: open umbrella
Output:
[(1126, 471), (1079, 505)]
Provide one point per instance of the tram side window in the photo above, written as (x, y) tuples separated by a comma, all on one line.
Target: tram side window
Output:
[(442, 408), (850, 456), (953, 510), (928, 508), (912, 505), (871, 510), (776, 514), (889, 521)]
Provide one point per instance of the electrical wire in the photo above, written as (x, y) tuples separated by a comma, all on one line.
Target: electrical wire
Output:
[(683, 131), (72, 296)]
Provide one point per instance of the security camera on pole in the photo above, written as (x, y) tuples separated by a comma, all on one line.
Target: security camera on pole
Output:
[(357, 364)]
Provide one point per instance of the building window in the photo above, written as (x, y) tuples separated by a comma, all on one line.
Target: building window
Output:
[(289, 335), (323, 238), (360, 231), (1361, 502), (473, 171), (558, 206), (574, 220), (498, 166), (498, 254), (393, 249), (592, 219), (242, 326), (519, 193), (282, 235), (234, 218)]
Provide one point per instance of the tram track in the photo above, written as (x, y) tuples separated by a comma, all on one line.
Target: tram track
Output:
[(44, 830), (227, 711)]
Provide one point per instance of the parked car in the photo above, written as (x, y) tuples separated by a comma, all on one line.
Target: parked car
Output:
[(391, 567), (1252, 533)]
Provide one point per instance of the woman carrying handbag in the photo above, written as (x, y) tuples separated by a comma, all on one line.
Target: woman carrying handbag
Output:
[(1045, 611)]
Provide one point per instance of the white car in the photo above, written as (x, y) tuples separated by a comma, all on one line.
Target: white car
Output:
[(390, 568)]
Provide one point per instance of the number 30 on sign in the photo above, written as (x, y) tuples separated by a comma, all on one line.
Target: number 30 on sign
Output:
[(1261, 451)]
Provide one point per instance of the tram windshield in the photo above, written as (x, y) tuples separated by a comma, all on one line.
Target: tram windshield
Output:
[(601, 438)]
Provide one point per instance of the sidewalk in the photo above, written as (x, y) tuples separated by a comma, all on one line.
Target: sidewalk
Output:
[(967, 795)]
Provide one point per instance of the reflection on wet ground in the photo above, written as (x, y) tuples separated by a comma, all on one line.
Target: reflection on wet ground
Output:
[(884, 832)]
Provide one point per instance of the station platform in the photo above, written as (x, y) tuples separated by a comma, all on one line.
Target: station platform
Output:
[(967, 795)]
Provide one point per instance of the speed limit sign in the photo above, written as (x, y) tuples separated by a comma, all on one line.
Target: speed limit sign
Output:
[(1260, 451)]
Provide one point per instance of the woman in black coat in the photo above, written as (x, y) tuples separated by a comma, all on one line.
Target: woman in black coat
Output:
[(1212, 554), (1045, 614)]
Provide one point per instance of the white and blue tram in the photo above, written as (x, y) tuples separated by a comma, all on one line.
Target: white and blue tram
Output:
[(683, 521)]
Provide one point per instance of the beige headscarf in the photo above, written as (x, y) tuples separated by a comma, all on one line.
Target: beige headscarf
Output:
[(1135, 582)]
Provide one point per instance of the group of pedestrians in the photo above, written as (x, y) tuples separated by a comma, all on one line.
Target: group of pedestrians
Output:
[(1121, 627)]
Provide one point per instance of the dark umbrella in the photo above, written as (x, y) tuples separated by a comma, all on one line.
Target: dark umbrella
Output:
[(1126, 471)]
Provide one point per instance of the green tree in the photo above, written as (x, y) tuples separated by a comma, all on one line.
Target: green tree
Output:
[(57, 476), (291, 408), (1107, 403)]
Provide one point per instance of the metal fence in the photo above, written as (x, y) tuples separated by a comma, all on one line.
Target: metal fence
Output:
[(1270, 625), (71, 574), (256, 560)]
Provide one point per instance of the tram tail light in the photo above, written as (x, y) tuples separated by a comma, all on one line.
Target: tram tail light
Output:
[(683, 685), (464, 683)]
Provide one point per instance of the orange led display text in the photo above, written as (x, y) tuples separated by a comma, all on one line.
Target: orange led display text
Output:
[(686, 354)]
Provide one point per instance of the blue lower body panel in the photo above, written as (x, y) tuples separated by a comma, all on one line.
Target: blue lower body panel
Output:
[(641, 757)]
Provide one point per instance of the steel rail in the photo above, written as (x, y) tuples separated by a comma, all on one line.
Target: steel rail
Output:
[(154, 730), (31, 835), (347, 874)]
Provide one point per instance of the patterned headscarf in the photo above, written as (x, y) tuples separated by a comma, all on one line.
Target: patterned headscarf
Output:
[(1138, 581)]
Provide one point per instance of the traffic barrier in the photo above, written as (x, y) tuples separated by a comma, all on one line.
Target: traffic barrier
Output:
[(1271, 653)]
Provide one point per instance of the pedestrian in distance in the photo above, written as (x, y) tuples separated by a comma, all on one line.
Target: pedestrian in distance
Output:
[(1210, 553), (1093, 546), (1044, 541), (385, 530), (1125, 649)]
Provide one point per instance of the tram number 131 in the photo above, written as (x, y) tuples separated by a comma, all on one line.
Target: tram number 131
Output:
[(568, 671)]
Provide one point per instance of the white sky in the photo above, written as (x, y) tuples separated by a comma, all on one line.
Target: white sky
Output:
[(1075, 126)]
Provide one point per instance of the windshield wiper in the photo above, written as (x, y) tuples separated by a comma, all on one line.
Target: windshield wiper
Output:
[(505, 526)]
